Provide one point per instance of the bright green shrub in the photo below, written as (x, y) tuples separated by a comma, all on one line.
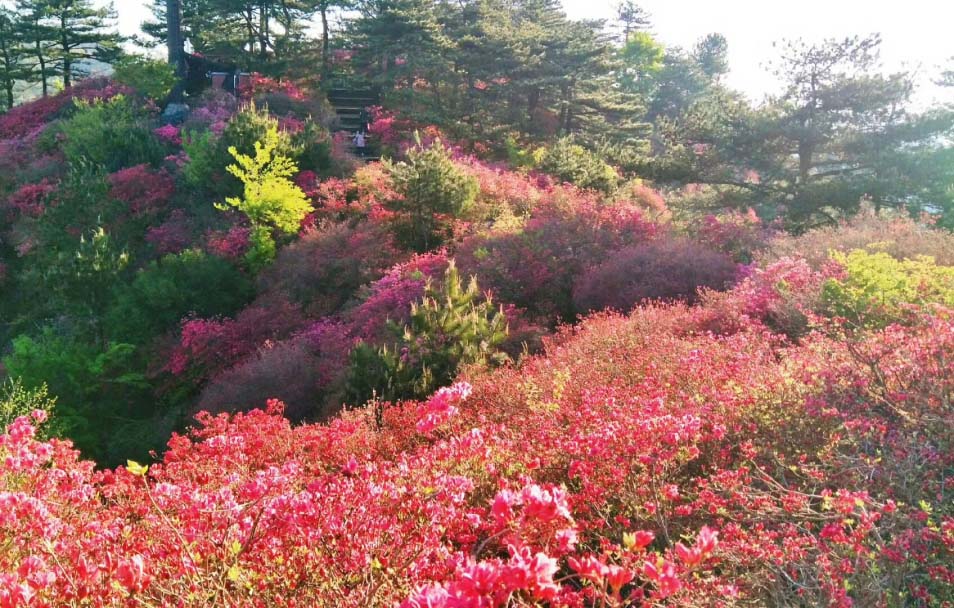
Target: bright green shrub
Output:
[(114, 134), (270, 200), (310, 147), (429, 184), (270, 197), (204, 158), (17, 400), (878, 289), (152, 78), (452, 326), (573, 163), (167, 290)]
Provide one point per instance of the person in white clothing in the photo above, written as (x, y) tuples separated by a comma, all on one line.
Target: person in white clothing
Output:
[(359, 143)]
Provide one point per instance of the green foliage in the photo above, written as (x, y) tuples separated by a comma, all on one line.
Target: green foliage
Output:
[(96, 388), (250, 126), (166, 291), (452, 326), (573, 163), (204, 159), (643, 59), (263, 248), (840, 134), (271, 200), (310, 148), (80, 280), (152, 78), (17, 400), (113, 134), (878, 289), (429, 184)]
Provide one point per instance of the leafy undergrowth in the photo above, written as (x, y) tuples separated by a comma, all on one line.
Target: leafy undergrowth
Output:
[(678, 456)]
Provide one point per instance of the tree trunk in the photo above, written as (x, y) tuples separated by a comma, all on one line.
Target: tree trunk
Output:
[(41, 59), (263, 27), (805, 152), (324, 39), (250, 26), (8, 77), (65, 47), (176, 47)]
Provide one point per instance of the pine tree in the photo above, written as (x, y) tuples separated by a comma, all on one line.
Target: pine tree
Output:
[(255, 34), (430, 184), (12, 56), (38, 40), (632, 18), (82, 33), (452, 326)]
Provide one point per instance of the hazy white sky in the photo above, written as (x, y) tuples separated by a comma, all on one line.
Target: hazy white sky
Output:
[(917, 34)]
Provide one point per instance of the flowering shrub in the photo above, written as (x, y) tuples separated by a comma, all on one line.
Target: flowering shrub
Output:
[(170, 134), (145, 190), (536, 268), (324, 268), (17, 400), (668, 269), (231, 245), (31, 200), (649, 200), (899, 237), (306, 372), (740, 235), (28, 117), (639, 462), (390, 298), (386, 128), (208, 346), (257, 84), (173, 235)]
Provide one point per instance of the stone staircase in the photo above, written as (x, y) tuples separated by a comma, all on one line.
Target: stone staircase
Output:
[(348, 105)]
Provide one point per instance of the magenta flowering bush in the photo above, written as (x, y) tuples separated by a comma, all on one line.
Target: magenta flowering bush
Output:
[(640, 461), (145, 190)]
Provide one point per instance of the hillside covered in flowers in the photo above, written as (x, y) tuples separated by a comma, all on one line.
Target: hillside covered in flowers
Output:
[(244, 367)]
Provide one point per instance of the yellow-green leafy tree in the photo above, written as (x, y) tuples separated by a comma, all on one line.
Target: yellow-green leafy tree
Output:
[(271, 201)]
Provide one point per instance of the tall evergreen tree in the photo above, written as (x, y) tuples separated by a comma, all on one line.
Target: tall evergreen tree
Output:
[(840, 133), (82, 33), (12, 59), (38, 40), (632, 18), (255, 34)]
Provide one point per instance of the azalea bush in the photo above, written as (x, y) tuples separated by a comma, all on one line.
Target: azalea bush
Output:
[(326, 266), (639, 461), (898, 236), (666, 269), (536, 266)]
